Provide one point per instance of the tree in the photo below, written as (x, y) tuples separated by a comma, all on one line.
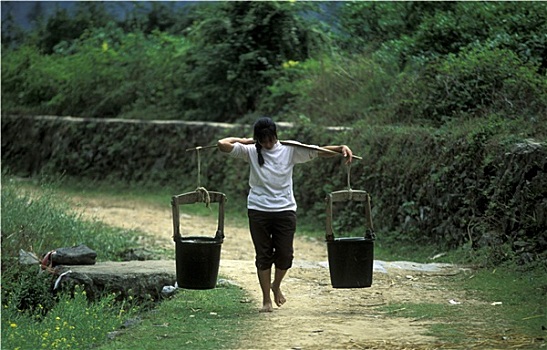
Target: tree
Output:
[(62, 26), (235, 45), (12, 33), (366, 25)]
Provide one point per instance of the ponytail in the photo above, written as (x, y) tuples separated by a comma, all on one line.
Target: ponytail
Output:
[(259, 152)]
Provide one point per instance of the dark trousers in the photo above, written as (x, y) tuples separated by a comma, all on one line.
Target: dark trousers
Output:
[(273, 236)]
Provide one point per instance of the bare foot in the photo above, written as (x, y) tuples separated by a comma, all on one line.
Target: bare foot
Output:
[(266, 307), (279, 298)]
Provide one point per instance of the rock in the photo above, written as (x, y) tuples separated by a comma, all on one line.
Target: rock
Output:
[(169, 290), (77, 255), (528, 146), (140, 254), (131, 322), (142, 280), (27, 258), (112, 335)]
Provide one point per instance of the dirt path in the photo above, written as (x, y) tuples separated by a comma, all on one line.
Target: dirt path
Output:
[(316, 316)]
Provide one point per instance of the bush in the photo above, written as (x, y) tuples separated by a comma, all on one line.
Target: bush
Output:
[(236, 48), (72, 322), (43, 223), (33, 315), (475, 83), (29, 80), (110, 74), (475, 184), (332, 91), (430, 31)]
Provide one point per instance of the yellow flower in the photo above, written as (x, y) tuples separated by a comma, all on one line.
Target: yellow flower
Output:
[(105, 46), (13, 325), (290, 64), (57, 318)]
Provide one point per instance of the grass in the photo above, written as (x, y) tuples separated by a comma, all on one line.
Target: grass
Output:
[(214, 318), (32, 316), (193, 319), (39, 218), (501, 308), (72, 323)]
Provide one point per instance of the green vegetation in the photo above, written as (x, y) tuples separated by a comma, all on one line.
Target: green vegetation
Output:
[(32, 316), (39, 221), (329, 63), (212, 319), (500, 306), (71, 322), (447, 102), (38, 218)]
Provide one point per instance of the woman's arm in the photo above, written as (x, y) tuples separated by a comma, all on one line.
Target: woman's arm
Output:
[(227, 144), (342, 149)]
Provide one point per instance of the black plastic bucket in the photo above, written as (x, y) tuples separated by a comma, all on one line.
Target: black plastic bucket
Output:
[(351, 261), (198, 260)]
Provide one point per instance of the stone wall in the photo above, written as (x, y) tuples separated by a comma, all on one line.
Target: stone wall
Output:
[(476, 188)]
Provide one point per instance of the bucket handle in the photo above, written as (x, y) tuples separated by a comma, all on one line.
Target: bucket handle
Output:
[(349, 195), (198, 197)]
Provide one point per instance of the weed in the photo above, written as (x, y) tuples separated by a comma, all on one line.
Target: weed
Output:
[(42, 220), (72, 323), (196, 319), (33, 317), (498, 304)]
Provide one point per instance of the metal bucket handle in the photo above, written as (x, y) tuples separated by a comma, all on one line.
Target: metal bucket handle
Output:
[(198, 197), (349, 195)]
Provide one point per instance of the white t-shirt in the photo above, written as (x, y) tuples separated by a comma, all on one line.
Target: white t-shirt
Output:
[(271, 184)]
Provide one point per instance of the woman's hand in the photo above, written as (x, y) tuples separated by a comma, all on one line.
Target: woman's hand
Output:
[(342, 149), (347, 153)]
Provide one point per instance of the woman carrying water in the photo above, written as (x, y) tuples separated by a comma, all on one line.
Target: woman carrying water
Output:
[(271, 204)]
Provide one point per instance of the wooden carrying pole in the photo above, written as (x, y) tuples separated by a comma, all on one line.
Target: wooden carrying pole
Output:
[(283, 142)]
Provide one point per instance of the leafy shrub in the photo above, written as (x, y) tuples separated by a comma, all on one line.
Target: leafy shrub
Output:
[(111, 74), (29, 79), (475, 83), (332, 91), (236, 47), (103, 74), (42, 223), (72, 322), (431, 31), (26, 289), (366, 26), (33, 316), (224, 61)]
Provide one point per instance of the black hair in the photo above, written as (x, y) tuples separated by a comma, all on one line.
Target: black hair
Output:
[(264, 129)]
